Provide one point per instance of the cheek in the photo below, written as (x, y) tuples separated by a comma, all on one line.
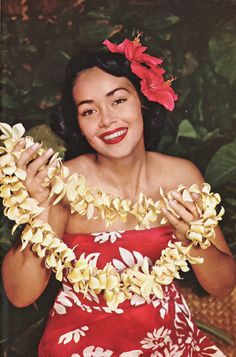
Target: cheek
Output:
[(136, 110), (80, 125), (132, 109), (88, 128), (137, 117), (139, 124)]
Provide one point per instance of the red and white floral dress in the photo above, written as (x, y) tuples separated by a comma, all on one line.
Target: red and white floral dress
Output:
[(86, 327)]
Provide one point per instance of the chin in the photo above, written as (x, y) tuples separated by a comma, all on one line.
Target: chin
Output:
[(120, 150), (120, 153)]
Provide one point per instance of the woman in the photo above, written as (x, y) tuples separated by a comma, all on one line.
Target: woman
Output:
[(114, 126)]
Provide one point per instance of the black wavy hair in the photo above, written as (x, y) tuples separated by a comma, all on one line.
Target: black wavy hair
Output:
[(64, 119)]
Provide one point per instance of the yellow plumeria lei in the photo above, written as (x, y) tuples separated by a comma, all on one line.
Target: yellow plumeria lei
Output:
[(81, 273)]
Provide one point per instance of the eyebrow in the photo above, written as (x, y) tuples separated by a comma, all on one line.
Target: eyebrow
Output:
[(109, 94)]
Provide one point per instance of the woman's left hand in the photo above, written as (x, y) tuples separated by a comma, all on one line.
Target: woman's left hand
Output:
[(186, 212)]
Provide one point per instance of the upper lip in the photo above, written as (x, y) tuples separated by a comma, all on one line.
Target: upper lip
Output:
[(112, 131)]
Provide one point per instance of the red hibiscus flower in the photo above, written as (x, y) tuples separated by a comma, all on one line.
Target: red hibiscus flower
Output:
[(154, 86), (133, 51)]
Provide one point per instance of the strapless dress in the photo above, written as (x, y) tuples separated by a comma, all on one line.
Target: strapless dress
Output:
[(86, 327)]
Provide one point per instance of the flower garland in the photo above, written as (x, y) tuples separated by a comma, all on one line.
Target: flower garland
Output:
[(81, 273)]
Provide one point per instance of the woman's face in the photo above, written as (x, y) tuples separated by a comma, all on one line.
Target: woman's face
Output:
[(109, 113)]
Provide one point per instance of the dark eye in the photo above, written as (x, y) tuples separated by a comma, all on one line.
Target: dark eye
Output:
[(87, 113), (119, 101)]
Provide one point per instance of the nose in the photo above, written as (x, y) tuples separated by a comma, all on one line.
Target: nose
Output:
[(106, 117)]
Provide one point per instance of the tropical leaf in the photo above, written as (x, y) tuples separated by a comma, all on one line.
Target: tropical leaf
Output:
[(187, 130), (222, 49), (222, 166), (27, 339), (160, 20)]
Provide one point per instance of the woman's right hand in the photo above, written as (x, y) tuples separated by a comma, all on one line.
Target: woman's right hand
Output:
[(24, 273), (36, 170)]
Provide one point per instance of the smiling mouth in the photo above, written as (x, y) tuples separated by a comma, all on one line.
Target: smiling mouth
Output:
[(114, 136)]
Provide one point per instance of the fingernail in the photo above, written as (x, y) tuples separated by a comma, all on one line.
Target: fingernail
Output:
[(173, 203), (35, 146), (175, 194), (54, 164), (49, 151), (164, 210)]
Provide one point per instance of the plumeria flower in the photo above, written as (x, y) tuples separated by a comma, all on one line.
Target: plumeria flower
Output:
[(16, 132)]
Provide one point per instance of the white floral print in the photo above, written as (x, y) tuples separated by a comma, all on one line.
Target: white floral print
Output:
[(173, 352), (67, 298), (196, 343), (73, 335), (129, 259), (91, 258), (163, 306), (137, 300), (92, 351), (157, 339), (104, 237), (172, 332), (134, 353)]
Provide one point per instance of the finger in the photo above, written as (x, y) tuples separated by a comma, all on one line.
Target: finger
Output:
[(178, 224), (26, 155), (190, 206), (180, 227), (19, 146), (42, 174), (181, 211), (34, 167), (198, 200)]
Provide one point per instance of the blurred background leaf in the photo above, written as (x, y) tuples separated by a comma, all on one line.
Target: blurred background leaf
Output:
[(222, 49), (222, 167)]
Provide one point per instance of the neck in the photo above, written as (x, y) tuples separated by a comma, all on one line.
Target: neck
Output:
[(127, 174)]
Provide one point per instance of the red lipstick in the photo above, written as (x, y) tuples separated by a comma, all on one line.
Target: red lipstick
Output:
[(114, 136)]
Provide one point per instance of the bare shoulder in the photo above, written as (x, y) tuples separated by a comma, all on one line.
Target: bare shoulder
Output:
[(184, 171), (177, 170), (81, 164)]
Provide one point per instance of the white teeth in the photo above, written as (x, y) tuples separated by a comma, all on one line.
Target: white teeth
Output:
[(115, 135)]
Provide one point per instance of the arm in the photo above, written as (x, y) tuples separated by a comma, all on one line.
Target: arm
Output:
[(217, 274), (24, 273)]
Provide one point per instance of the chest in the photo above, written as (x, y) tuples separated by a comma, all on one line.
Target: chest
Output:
[(79, 223), (150, 187)]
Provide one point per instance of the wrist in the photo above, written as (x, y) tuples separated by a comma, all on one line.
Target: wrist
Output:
[(185, 242), (47, 203)]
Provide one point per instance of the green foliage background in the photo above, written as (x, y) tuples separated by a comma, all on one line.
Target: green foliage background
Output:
[(197, 39)]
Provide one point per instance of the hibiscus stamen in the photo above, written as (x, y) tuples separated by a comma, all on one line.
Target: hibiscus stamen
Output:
[(137, 38), (169, 81)]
